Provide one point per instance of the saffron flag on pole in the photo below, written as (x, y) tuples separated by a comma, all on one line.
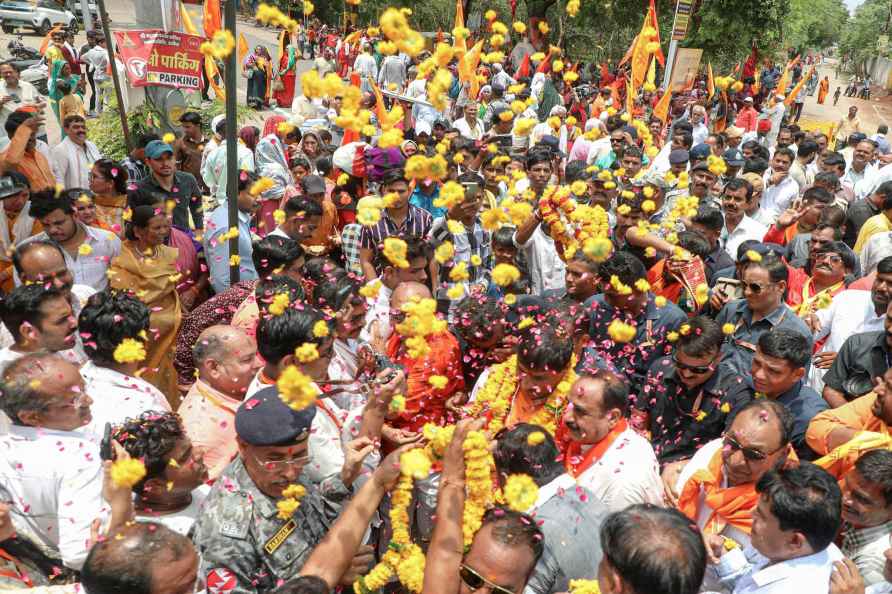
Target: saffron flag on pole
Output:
[(792, 96), (212, 20), (243, 47), (460, 43), (188, 25), (652, 15), (710, 81), (661, 109)]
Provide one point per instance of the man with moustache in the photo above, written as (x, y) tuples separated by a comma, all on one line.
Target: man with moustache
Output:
[(602, 451), (240, 540), (45, 460), (226, 360), (737, 199), (867, 513)]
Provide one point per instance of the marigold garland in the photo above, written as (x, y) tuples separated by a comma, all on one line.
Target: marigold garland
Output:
[(497, 394)]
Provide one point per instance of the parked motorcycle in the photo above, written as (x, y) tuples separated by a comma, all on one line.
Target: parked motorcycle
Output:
[(19, 51)]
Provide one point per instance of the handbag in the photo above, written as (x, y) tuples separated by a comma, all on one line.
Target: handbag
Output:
[(278, 85)]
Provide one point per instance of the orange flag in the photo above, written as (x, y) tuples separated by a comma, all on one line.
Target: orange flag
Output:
[(545, 64), (353, 37), (460, 42), (380, 112), (661, 109), (242, 47), (212, 20), (210, 68), (188, 25), (710, 81), (792, 96), (652, 16)]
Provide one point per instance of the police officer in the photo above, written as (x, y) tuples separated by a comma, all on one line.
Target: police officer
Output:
[(244, 547)]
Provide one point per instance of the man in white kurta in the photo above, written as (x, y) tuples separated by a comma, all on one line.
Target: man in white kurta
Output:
[(605, 455)]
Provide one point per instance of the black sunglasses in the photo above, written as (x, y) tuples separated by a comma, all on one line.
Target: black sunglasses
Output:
[(474, 581), (698, 369), (748, 453), (755, 288)]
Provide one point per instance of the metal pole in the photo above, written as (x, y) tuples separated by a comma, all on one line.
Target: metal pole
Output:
[(110, 46), (231, 143), (670, 60), (86, 16)]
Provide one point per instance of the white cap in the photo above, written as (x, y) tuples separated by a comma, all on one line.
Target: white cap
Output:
[(748, 100), (422, 127)]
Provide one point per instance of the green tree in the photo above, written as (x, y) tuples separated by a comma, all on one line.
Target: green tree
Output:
[(859, 38)]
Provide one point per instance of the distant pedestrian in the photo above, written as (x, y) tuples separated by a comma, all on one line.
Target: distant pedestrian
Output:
[(836, 95)]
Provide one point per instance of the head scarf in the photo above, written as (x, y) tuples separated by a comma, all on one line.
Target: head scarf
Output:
[(315, 135), (271, 125), (56, 77), (250, 137)]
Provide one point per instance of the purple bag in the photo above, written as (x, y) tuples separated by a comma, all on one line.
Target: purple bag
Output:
[(379, 161)]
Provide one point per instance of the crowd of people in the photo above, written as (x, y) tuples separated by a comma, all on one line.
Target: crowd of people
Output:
[(509, 332)]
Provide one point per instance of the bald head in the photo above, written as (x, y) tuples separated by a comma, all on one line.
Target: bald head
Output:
[(226, 359), (408, 291), (141, 558)]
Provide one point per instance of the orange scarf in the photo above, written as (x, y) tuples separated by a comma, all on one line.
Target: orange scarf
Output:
[(574, 449), (732, 505)]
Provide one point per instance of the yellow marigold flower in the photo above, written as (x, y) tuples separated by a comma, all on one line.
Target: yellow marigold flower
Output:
[(370, 290), (672, 336), (287, 507), (584, 586), (455, 227), (308, 7), (444, 252), (296, 389), (169, 138), (490, 15), (415, 463), (130, 351), (543, 28), (660, 301), (519, 27), (557, 65), (619, 331), (728, 328), (753, 256), (525, 323), (395, 252), (306, 353), (261, 185), (701, 415), (648, 206), (505, 275), (279, 216), (579, 187), (701, 293), (222, 44), (235, 260), (279, 304), (493, 218), (127, 472), (459, 272), (84, 250), (521, 492), (642, 286), (572, 8), (438, 381), (455, 292), (622, 209), (510, 299), (476, 260), (320, 329), (397, 404), (535, 438), (725, 408), (523, 126)]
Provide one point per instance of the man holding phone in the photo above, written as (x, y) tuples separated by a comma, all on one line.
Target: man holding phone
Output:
[(14, 94)]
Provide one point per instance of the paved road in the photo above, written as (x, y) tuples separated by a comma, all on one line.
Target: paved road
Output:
[(872, 112), (121, 15)]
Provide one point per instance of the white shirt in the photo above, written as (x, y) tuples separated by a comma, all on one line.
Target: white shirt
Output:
[(464, 128), (546, 267), (877, 247), (700, 134), (851, 312), (809, 574), (859, 182), (869, 185), (747, 228), (182, 521), (332, 428), (118, 397), (776, 199), (627, 473), (55, 477), (72, 163), (26, 94), (379, 311)]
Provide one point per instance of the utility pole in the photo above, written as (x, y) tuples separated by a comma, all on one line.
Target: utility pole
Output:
[(110, 45), (232, 171)]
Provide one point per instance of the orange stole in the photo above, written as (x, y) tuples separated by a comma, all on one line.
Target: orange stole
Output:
[(574, 449)]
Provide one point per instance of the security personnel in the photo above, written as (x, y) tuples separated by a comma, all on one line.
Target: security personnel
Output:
[(243, 545)]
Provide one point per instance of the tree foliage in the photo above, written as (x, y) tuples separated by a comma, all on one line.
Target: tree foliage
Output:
[(604, 29), (859, 39)]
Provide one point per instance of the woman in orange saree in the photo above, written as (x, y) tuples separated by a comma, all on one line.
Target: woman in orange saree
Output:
[(149, 268)]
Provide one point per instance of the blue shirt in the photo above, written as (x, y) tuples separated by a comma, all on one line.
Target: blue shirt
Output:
[(217, 251), (634, 358), (739, 348), (426, 201)]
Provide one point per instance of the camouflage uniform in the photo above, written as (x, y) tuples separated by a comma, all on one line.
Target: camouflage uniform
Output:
[(243, 546)]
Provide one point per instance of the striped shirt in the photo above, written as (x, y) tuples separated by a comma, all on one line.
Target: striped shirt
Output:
[(866, 548), (473, 242), (416, 224)]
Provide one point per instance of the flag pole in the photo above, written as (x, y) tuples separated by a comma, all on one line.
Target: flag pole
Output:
[(232, 171), (110, 47)]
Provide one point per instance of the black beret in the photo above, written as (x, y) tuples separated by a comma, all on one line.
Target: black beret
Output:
[(264, 420), (679, 156)]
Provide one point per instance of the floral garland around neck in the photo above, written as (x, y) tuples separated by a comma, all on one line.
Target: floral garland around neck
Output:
[(498, 392)]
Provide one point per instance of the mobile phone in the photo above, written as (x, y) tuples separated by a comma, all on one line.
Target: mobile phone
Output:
[(471, 189), (106, 451), (730, 287), (382, 362)]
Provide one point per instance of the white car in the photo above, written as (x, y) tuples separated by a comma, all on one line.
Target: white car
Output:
[(41, 16)]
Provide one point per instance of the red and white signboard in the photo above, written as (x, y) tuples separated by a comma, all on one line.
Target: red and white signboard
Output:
[(156, 57)]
